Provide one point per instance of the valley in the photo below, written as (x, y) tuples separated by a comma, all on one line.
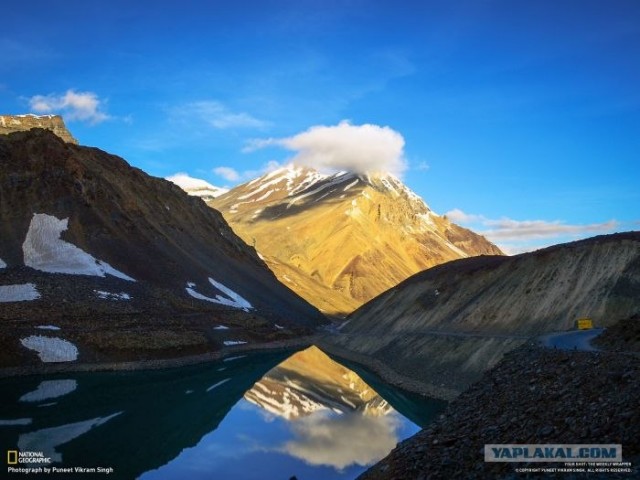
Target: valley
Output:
[(104, 268)]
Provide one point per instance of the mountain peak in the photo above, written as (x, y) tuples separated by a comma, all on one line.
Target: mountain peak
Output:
[(339, 239), (19, 123), (196, 187)]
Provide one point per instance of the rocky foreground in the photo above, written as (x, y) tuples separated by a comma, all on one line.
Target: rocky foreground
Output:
[(533, 396)]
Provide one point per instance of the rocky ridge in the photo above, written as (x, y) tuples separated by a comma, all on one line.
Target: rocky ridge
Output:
[(20, 123), (533, 396), (444, 327)]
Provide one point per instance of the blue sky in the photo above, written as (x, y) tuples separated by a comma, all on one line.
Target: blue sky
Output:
[(519, 118)]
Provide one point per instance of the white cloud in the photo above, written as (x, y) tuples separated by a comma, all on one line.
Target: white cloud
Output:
[(357, 148), (228, 173), (340, 441), (218, 115), (83, 106), (518, 236), (458, 216), (507, 229)]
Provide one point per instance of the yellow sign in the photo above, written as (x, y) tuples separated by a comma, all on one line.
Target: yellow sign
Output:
[(12, 457), (585, 324)]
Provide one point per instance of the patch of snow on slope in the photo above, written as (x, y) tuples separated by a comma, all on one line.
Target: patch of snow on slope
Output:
[(335, 180), (15, 422), (2, 264), (44, 250), (309, 180), (264, 197), (51, 349), (112, 296), (273, 178), (232, 300), (350, 185), (50, 389), (221, 327), (18, 293), (215, 385), (48, 439), (48, 327), (229, 359), (231, 343)]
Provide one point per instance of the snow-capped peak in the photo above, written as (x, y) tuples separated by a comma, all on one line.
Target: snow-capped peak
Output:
[(196, 186)]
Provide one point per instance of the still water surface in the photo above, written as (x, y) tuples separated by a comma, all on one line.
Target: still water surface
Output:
[(258, 416)]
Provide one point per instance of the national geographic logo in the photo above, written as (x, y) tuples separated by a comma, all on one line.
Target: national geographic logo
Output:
[(15, 457)]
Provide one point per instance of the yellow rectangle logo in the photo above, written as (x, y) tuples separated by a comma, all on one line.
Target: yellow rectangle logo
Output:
[(12, 457)]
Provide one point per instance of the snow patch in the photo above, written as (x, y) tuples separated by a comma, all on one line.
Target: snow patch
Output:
[(51, 349), (221, 327), (50, 389), (18, 293), (350, 185), (48, 439), (44, 250), (32, 115), (218, 384), (264, 197), (230, 343), (229, 359), (331, 181), (48, 327), (2, 264), (278, 327), (112, 296), (232, 299)]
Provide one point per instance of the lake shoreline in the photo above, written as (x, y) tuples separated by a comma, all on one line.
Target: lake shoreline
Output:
[(156, 364), (385, 372)]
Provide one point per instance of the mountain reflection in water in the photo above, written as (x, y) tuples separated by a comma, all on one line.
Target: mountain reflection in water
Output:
[(253, 416)]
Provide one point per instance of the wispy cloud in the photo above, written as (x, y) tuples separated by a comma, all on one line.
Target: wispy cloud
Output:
[(233, 175), (517, 236), (228, 173), (422, 166), (356, 148), (509, 230), (217, 115), (82, 106)]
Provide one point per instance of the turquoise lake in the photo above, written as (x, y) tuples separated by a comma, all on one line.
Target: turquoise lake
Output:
[(259, 416)]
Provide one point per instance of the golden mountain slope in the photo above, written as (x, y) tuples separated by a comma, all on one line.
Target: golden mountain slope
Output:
[(340, 240)]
